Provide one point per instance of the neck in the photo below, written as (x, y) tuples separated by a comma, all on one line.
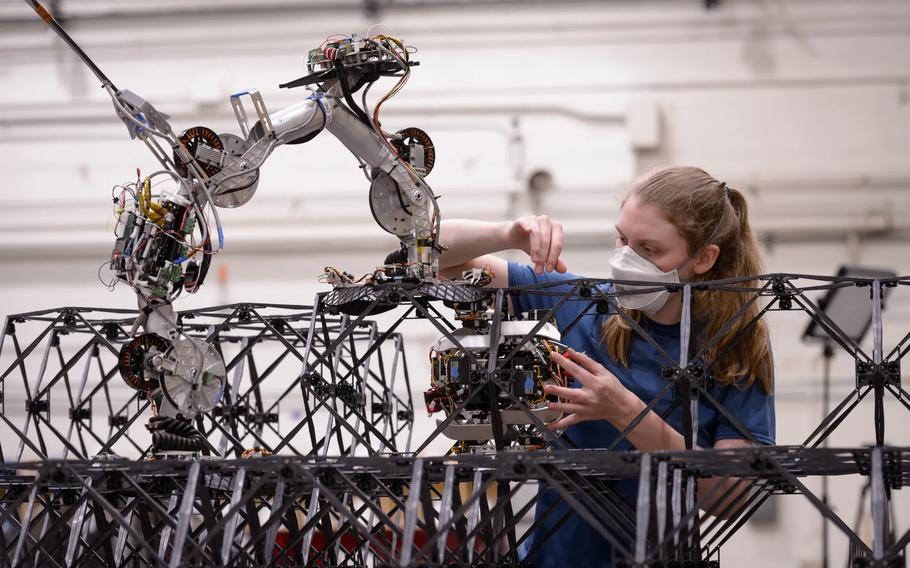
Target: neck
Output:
[(671, 312)]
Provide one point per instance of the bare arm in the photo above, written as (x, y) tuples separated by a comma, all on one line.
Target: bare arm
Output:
[(654, 434), (467, 239), (471, 244)]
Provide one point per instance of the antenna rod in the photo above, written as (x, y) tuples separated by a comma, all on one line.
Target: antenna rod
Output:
[(55, 25)]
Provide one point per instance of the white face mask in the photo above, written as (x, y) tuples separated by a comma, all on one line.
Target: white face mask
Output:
[(629, 265)]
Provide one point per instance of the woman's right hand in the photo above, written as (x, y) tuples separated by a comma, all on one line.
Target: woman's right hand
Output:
[(541, 238)]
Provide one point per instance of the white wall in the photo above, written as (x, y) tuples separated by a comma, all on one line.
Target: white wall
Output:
[(806, 105)]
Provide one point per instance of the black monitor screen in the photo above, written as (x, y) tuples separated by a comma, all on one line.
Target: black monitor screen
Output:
[(849, 307)]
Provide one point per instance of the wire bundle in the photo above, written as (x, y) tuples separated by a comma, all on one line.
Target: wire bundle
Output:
[(174, 434)]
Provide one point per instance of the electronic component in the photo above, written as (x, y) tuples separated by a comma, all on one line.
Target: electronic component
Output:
[(154, 250), (524, 367), (415, 146), (205, 148)]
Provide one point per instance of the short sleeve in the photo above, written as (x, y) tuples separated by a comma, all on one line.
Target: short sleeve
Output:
[(523, 275), (752, 407)]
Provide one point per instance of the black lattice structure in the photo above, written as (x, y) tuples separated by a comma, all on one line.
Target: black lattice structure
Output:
[(292, 389), (463, 509), (687, 377), (400, 511)]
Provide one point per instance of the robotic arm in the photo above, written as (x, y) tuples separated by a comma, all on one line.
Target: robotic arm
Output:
[(401, 201)]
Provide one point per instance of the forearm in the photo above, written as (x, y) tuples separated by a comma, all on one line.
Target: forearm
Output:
[(654, 434), (467, 239)]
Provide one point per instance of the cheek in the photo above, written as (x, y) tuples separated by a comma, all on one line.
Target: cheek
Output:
[(685, 273), (668, 262)]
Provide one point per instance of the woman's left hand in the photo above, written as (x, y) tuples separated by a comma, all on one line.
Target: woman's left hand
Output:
[(601, 396)]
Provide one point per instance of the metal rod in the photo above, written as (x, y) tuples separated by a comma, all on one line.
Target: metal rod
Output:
[(643, 509), (58, 29), (880, 529)]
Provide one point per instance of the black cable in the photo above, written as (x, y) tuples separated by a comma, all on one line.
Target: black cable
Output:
[(170, 434), (346, 91), (399, 256), (363, 98)]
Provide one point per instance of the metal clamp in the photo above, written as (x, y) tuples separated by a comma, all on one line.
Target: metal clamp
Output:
[(261, 111)]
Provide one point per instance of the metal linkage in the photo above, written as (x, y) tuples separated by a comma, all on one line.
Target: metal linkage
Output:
[(286, 392), (396, 510)]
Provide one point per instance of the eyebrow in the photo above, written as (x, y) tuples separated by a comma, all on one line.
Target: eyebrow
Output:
[(646, 242)]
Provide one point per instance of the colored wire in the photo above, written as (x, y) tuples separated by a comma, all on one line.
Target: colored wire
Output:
[(436, 219)]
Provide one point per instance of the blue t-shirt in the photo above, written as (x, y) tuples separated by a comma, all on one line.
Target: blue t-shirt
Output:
[(575, 543)]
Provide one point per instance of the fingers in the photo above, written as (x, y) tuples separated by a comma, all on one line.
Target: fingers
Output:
[(580, 373), (566, 407), (541, 263), (563, 422), (532, 226), (556, 236), (570, 394), (586, 362), (545, 242)]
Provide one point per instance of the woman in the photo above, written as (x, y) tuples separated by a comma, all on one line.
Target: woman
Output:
[(676, 224)]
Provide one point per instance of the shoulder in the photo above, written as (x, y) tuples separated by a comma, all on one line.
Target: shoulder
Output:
[(524, 275), (532, 291)]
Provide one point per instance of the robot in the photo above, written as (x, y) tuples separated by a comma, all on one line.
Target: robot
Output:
[(155, 251), (164, 241)]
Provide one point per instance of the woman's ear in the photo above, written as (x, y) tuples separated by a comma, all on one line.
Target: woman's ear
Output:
[(705, 259)]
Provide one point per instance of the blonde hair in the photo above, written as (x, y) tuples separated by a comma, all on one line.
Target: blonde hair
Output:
[(702, 209)]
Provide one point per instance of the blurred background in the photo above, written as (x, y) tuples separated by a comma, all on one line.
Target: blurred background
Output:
[(534, 106)]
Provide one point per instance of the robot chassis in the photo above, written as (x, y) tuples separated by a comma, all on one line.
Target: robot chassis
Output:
[(468, 508)]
